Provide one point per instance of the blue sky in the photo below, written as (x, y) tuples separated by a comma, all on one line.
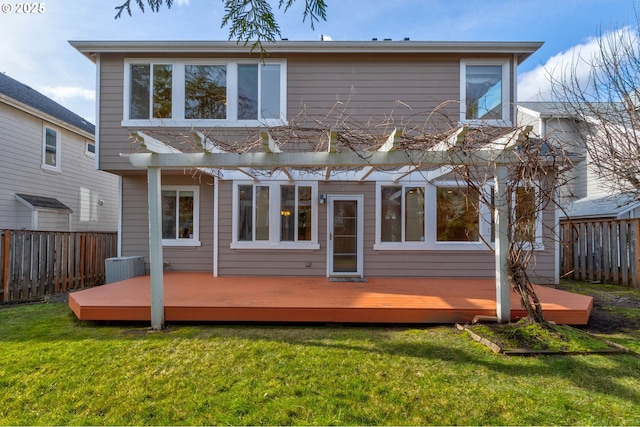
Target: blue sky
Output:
[(35, 49)]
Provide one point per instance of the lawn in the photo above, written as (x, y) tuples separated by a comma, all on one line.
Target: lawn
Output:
[(56, 370)]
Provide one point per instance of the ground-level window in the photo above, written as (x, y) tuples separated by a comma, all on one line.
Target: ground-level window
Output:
[(51, 149), (443, 215), (402, 214), (180, 211), (458, 215), (275, 215), (525, 214)]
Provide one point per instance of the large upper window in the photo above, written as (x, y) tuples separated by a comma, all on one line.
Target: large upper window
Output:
[(275, 215), (178, 93), (180, 207), (51, 149), (484, 90)]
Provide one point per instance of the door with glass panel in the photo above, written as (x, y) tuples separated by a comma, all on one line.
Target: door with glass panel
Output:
[(345, 243)]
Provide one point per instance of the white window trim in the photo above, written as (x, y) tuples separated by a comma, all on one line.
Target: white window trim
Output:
[(196, 217), (506, 88), (178, 94), (274, 218), (538, 244), (86, 149), (44, 165), (430, 242)]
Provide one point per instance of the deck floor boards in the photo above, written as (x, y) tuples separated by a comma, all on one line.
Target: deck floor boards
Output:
[(190, 296)]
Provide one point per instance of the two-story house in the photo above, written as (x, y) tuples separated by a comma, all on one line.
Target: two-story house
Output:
[(261, 178), (48, 178), (585, 194)]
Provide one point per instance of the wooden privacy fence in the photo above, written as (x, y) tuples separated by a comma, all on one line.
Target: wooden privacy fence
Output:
[(39, 263), (604, 251)]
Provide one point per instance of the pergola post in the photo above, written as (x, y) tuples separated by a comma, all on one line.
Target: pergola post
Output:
[(155, 248), (501, 215)]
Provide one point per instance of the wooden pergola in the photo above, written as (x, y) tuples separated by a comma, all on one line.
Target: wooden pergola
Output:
[(497, 154)]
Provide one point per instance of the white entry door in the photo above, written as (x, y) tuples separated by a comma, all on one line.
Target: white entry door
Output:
[(345, 242)]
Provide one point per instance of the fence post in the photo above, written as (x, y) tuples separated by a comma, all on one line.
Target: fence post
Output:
[(635, 279), (6, 264)]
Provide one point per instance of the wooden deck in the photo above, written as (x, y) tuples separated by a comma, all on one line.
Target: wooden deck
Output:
[(202, 297)]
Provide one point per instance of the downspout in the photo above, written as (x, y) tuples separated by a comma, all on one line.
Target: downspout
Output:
[(514, 85)]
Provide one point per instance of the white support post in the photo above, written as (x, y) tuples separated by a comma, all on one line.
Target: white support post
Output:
[(155, 248), (503, 291)]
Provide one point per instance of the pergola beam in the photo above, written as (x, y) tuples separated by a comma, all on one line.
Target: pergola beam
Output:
[(455, 140), (317, 159), (389, 146), (269, 146), (511, 140)]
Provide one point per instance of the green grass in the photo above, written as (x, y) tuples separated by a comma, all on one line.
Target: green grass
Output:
[(532, 336), (616, 314), (56, 370)]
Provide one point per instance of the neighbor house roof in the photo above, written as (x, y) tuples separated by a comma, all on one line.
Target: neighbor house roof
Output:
[(25, 95), (41, 202), (609, 206), (549, 110), (522, 49)]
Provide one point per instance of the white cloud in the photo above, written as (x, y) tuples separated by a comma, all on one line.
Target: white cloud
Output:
[(182, 2), (65, 93), (574, 63)]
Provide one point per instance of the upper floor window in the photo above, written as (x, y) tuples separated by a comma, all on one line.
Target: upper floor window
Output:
[(275, 215), (180, 215), (230, 93), (484, 91), (90, 149), (51, 149)]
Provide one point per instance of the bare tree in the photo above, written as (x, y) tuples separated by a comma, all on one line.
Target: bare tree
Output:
[(605, 103)]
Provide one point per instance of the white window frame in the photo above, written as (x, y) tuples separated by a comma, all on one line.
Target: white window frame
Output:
[(538, 244), (195, 241), (44, 165), (430, 242), (88, 152), (274, 217), (506, 90), (178, 93)]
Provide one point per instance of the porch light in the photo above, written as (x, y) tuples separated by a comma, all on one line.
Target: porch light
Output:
[(285, 213)]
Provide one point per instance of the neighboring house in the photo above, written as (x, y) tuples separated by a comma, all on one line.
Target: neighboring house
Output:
[(585, 195), (320, 219), (48, 178)]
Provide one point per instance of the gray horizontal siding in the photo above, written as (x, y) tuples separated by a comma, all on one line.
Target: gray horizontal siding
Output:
[(135, 223), (360, 87), (78, 184)]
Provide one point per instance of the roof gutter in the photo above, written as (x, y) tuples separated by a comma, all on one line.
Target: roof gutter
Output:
[(522, 50)]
